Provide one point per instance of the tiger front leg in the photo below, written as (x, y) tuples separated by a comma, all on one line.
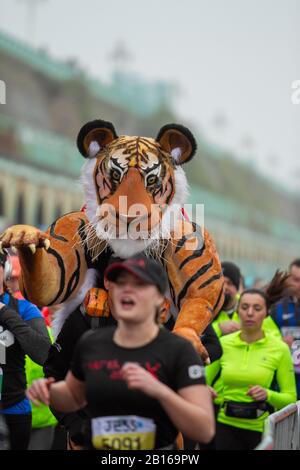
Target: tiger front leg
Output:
[(31, 245), (24, 237), (196, 279), (194, 316), (53, 264)]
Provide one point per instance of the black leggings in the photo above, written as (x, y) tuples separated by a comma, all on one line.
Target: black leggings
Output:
[(19, 427), (232, 438)]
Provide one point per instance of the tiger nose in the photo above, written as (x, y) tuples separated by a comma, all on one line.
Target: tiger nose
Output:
[(131, 195), (126, 218)]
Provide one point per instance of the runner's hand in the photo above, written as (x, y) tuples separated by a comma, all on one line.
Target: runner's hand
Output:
[(288, 339), (229, 326), (137, 378), (38, 392), (213, 392), (258, 393)]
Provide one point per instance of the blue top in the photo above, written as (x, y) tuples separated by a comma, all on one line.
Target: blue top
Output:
[(27, 310), (286, 313)]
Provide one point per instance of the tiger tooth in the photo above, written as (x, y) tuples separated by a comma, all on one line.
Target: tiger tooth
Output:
[(46, 244), (32, 248)]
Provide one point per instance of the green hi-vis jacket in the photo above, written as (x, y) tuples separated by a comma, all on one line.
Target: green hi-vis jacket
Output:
[(244, 365), (268, 326), (41, 415)]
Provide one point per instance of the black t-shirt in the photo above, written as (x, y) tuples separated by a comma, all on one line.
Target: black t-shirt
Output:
[(97, 361), (61, 352)]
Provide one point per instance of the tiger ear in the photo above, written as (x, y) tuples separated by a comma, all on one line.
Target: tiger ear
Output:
[(178, 141), (95, 135)]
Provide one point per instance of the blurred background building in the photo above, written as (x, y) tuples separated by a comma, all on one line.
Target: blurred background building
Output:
[(254, 222)]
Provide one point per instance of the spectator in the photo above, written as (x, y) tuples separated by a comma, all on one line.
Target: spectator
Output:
[(135, 369)]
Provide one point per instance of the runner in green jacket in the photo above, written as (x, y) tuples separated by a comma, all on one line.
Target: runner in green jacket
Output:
[(228, 320), (251, 360)]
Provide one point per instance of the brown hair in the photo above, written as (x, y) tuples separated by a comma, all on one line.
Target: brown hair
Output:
[(274, 291)]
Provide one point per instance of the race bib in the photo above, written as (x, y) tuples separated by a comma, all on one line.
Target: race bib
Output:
[(123, 433)]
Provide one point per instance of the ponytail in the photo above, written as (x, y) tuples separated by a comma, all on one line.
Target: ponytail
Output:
[(278, 288), (274, 291)]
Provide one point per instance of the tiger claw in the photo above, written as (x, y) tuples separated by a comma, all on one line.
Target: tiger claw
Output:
[(32, 248), (1, 249), (46, 244), (14, 250)]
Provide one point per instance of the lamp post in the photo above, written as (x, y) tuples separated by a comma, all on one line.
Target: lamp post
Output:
[(31, 18)]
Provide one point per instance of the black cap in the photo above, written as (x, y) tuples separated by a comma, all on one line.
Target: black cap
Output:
[(141, 266), (232, 271)]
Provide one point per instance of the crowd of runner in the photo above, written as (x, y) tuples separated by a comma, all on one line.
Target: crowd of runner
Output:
[(124, 381)]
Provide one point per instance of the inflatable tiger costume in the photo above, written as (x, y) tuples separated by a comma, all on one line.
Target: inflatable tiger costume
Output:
[(61, 265)]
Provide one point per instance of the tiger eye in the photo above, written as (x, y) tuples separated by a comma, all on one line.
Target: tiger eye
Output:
[(151, 180), (115, 175)]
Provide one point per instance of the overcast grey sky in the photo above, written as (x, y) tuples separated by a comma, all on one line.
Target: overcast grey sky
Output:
[(231, 58)]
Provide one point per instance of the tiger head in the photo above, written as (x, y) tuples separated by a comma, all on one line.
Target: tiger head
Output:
[(134, 186)]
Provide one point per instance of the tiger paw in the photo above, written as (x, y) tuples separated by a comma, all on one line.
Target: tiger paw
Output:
[(191, 335), (23, 237)]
